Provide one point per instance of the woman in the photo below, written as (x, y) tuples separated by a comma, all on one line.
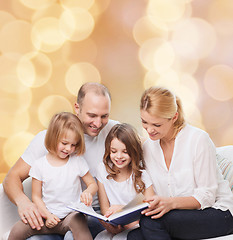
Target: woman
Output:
[(192, 200)]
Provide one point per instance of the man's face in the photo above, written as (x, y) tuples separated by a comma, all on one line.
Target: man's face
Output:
[(93, 113)]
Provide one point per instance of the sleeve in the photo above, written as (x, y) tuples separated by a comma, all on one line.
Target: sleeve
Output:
[(83, 167), (36, 170), (146, 179), (205, 172), (36, 149), (101, 173)]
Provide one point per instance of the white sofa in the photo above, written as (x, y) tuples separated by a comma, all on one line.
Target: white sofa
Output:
[(9, 214)]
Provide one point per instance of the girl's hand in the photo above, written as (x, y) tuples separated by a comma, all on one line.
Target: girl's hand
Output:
[(113, 209), (111, 228), (51, 221), (86, 198), (158, 206)]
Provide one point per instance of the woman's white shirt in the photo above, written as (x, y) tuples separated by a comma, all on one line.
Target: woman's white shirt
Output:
[(192, 171)]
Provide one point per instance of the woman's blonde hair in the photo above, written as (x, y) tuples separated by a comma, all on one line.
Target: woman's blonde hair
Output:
[(58, 127), (162, 103), (127, 135)]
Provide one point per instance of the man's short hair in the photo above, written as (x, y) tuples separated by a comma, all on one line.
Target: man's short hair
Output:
[(97, 88)]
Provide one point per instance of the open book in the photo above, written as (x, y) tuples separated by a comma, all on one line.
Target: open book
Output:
[(129, 213)]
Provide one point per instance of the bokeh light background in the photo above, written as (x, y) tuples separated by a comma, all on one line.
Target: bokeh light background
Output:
[(48, 48)]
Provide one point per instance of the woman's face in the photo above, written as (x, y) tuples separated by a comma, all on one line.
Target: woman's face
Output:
[(157, 128)]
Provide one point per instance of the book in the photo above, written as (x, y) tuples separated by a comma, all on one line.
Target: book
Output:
[(129, 213)]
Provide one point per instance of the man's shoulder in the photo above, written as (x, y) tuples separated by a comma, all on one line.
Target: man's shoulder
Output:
[(104, 132)]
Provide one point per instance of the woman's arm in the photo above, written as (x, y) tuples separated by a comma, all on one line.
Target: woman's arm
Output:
[(90, 191)]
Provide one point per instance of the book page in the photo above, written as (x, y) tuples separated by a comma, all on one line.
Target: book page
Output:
[(81, 207)]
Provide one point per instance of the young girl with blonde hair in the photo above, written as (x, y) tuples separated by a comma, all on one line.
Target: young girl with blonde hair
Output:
[(56, 181)]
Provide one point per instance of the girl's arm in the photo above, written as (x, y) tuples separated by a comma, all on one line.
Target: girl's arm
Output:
[(90, 191), (103, 198), (51, 220)]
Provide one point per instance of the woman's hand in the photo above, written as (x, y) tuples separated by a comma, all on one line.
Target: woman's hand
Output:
[(52, 220), (86, 198), (158, 206)]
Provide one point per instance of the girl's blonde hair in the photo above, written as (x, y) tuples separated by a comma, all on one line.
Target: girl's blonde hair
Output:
[(162, 103), (127, 135), (58, 127)]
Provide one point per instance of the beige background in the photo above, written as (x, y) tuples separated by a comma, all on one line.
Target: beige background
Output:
[(48, 48)]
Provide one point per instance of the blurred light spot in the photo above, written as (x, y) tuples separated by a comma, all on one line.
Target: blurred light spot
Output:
[(166, 10), (5, 18), (186, 65), (193, 117), (193, 38), (190, 82), (145, 29), (19, 143), (79, 74), (15, 122), (77, 3), (79, 51), (8, 77), (51, 105), (169, 79), (37, 4), (218, 82), (164, 57), (15, 103), (217, 120), (147, 52), (76, 24), (99, 7), (226, 136), (55, 10), (34, 69), (150, 79), (220, 15), (15, 37), (46, 35)]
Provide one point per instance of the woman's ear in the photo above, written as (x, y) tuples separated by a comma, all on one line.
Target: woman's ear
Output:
[(175, 117)]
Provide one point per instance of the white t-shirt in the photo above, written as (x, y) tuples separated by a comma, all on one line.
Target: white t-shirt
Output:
[(120, 192), (95, 147), (192, 171), (60, 185)]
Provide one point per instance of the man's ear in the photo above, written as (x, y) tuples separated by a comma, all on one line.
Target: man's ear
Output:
[(175, 117), (77, 108)]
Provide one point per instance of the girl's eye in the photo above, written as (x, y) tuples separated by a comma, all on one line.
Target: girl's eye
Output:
[(64, 143), (113, 151), (157, 125)]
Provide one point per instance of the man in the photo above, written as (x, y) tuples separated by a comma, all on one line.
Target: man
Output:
[(92, 108)]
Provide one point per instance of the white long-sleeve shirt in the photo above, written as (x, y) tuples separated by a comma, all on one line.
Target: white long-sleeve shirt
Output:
[(193, 170)]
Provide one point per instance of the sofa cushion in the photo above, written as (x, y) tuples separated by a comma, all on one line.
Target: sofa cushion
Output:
[(225, 161)]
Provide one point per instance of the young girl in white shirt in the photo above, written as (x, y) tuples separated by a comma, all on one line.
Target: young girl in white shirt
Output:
[(56, 181), (121, 177)]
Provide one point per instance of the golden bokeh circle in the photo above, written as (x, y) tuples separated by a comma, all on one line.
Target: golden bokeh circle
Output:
[(9, 81), (80, 73), (77, 3), (5, 18), (218, 82), (13, 30), (37, 4), (19, 142), (46, 35), (51, 105), (76, 24), (34, 69)]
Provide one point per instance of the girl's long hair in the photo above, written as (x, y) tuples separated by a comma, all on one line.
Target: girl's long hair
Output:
[(127, 135)]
